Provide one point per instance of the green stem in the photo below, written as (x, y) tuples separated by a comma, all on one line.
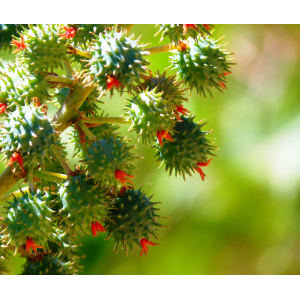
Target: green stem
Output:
[(87, 131), (160, 49), (7, 180), (110, 120), (59, 79), (68, 69), (50, 176), (30, 179), (61, 160), (82, 53)]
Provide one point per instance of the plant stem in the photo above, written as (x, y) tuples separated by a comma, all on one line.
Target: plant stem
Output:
[(7, 180), (59, 79), (160, 49), (50, 176), (110, 120), (30, 179), (10, 196), (61, 160), (82, 53), (68, 69), (87, 131)]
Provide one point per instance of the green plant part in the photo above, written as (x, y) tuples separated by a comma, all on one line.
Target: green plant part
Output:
[(18, 85), (117, 60), (109, 161), (47, 264), (6, 33), (202, 64), (150, 112), (29, 221), (41, 48), (82, 203), (28, 132), (132, 218), (170, 87), (180, 32), (189, 149)]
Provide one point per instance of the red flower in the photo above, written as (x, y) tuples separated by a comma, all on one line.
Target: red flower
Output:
[(96, 227), (121, 176), (186, 26), (16, 157), (31, 244), (182, 110), (199, 170), (20, 44), (69, 34), (144, 242), (113, 82), (222, 84), (207, 27), (2, 108), (163, 135)]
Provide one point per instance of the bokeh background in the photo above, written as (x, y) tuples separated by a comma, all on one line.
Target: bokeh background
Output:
[(245, 217)]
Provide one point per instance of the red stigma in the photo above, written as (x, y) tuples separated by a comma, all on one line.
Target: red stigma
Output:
[(69, 34), (207, 27), (31, 244), (113, 82), (97, 227), (199, 170), (19, 44), (163, 135), (222, 84), (180, 109), (121, 176), (144, 242), (187, 26), (16, 157), (2, 108)]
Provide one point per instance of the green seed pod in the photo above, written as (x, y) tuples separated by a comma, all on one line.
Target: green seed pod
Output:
[(19, 85), (45, 49), (150, 112), (189, 147), (116, 55), (180, 32), (131, 218), (30, 133), (202, 64), (169, 86), (105, 157), (47, 264), (82, 202), (29, 217)]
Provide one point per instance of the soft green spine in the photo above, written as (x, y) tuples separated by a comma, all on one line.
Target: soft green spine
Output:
[(45, 49), (189, 146), (105, 156), (150, 112), (82, 202), (30, 133), (29, 216), (19, 85), (202, 65), (131, 218), (117, 55)]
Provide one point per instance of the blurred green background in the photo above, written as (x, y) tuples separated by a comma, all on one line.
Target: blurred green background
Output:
[(245, 217)]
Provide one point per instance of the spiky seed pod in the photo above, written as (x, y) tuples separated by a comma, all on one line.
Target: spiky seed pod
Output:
[(18, 85), (189, 147), (79, 140), (83, 32), (115, 55), (30, 133), (180, 32), (6, 33), (131, 218), (202, 65), (44, 48), (104, 157), (83, 202), (29, 216), (150, 112), (168, 85), (47, 264)]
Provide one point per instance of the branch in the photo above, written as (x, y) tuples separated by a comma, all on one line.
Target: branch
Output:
[(87, 131), (110, 120), (59, 79), (160, 49)]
